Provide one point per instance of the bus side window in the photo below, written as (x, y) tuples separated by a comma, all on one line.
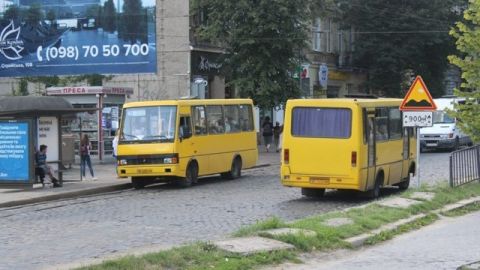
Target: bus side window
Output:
[(199, 120), (246, 118), (381, 122)]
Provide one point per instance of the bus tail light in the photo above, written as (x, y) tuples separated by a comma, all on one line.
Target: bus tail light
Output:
[(354, 158), (286, 156)]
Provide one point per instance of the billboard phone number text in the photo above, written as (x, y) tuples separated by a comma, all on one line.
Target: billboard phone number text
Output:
[(91, 51)]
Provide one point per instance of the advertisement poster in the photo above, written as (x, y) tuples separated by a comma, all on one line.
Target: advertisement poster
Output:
[(72, 37), (48, 135), (14, 152)]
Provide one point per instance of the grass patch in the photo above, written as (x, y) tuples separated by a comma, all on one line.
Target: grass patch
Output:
[(373, 216), (473, 207), (414, 225), (195, 257), (271, 223)]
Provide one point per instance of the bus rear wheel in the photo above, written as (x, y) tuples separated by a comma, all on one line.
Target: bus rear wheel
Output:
[(191, 176), (235, 171), (313, 192), (375, 192)]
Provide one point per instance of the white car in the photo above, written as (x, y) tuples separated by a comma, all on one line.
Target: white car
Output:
[(445, 133)]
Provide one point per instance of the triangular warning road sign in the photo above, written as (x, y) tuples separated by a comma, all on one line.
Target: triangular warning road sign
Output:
[(418, 98)]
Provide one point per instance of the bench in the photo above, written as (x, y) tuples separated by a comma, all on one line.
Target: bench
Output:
[(40, 173)]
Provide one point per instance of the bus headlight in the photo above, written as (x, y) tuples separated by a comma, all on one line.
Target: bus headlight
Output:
[(171, 160), (122, 162)]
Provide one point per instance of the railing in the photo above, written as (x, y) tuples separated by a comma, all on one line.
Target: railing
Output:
[(465, 166)]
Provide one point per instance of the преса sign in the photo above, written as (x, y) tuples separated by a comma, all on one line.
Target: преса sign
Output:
[(79, 41)]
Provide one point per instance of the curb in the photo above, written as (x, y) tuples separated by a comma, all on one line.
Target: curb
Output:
[(84, 192), (67, 195), (359, 240)]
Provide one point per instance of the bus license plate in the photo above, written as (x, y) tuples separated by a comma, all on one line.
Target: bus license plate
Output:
[(144, 170), (319, 180)]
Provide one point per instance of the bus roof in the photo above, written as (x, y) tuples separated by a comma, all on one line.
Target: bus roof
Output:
[(186, 102), (345, 102)]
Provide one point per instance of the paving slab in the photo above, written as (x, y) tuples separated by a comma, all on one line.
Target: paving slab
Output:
[(251, 245), (398, 202), (424, 196), (337, 222), (286, 231)]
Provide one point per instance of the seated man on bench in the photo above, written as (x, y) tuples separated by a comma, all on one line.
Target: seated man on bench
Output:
[(41, 167)]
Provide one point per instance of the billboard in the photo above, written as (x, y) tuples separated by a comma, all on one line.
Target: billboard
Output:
[(73, 37), (14, 151)]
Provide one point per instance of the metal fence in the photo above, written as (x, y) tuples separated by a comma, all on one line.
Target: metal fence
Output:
[(465, 166)]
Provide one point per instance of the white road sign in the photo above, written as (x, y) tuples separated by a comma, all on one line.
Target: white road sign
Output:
[(417, 119)]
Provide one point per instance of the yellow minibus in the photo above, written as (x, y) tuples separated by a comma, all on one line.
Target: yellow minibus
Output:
[(355, 144), (183, 139)]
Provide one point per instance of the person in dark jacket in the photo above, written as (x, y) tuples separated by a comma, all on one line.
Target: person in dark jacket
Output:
[(267, 133), (41, 164)]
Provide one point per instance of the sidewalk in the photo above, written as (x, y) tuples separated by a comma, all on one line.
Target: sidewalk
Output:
[(107, 182), (447, 244)]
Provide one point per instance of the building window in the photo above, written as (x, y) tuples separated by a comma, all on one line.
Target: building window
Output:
[(329, 37), (317, 28)]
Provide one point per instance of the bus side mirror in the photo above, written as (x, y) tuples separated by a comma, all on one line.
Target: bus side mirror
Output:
[(184, 133)]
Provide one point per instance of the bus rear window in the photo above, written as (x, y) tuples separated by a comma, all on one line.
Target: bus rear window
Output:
[(321, 122)]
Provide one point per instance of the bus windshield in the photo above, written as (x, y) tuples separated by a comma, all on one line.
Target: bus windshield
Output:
[(441, 117), (149, 124)]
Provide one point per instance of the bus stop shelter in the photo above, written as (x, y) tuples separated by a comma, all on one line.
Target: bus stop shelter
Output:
[(26, 122)]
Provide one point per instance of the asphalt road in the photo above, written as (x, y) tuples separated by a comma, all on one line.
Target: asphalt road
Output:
[(59, 232)]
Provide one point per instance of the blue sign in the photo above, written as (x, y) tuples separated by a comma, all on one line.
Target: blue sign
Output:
[(78, 40), (323, 75), (14, 152)]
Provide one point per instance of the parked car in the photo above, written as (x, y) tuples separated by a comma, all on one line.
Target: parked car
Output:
[(445, 133)]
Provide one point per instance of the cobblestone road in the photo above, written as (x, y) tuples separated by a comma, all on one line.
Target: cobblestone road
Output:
[(36, 236)]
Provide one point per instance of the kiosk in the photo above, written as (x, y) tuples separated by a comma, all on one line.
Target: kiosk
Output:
[(100, 125)]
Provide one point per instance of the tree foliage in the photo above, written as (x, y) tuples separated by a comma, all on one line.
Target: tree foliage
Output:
[(134, 22), (34, 14), (109, 20), (395, 38), (13, 12), (263, 41), (467, 34)]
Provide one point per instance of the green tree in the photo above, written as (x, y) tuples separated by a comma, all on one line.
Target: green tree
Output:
[(95, 12), (396, 37), (109, 21), (264, 42), (34, 14), (467, 34), (22, 88), (133, 21), (13, 12), (51, 16)]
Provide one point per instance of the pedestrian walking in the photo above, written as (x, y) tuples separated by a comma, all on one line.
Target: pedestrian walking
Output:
[(267, 133), (277, 130), (114, 152), (85, 147)]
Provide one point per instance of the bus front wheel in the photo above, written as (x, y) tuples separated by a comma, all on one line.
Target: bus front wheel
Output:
[(235, 170), (313, 192), (191, 175)]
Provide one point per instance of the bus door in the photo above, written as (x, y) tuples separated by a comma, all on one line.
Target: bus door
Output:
[(406, 151), (371, 151)]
